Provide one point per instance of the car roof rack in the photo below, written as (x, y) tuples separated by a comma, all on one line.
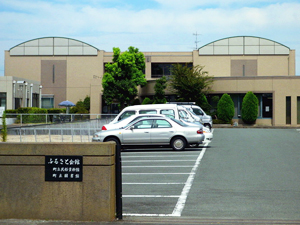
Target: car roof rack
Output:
[(182, 103)]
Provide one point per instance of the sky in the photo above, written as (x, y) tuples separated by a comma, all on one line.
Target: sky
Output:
[(149, 25)]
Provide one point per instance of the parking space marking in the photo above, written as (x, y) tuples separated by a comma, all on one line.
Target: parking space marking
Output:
[(154, 183), (157, 166), (184, 193), (155, 173), (160, 161), (151, 196), (160, 156)]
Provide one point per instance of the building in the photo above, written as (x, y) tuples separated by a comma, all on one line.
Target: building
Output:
[(69, 69), (18, 92)]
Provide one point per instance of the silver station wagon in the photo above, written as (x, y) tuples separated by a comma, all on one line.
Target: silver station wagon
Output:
[(156, 131)]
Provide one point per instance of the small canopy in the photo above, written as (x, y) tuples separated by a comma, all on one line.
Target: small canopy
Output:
[(66, 103)]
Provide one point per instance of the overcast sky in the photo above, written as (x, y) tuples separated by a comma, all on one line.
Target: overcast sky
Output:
[(150, 25)]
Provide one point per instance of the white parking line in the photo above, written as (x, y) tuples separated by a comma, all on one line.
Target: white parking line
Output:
[(182, 198), (155, 156), (185, 191), (157, 166), (153, 183), (151, 196), (155, 173), (160, 161)]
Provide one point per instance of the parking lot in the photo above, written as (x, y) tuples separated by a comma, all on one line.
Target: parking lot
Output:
[(156, 182), (242, 174)]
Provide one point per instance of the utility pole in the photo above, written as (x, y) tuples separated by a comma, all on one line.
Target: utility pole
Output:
[(196, 42)]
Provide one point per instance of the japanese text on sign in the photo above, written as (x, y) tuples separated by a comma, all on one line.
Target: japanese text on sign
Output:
[(63, 168)]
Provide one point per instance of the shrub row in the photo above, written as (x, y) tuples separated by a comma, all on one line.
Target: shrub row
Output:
[(34, 114), (225, 109)]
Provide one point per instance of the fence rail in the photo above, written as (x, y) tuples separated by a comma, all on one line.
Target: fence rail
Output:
[(73, 130), (25, 119)]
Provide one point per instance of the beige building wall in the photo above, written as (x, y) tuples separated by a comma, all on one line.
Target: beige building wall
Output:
[(6, 85), (275, 85), (25, 67), (265, 71), (220, 66)]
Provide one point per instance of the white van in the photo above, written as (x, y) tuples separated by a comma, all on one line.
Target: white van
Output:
[(205, 119), (197, 112), (170, 110)]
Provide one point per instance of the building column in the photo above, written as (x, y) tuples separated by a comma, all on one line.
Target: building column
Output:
[(30, 95), (40, 96), (14, 95), (25, 99)]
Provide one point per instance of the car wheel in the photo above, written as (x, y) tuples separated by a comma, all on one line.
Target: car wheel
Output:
[(178, 143), (118, 144)]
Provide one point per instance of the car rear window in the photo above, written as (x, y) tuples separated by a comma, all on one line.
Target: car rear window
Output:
[(179, 122)]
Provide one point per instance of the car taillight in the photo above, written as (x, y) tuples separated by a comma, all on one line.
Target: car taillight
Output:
[(103, 128), (199, 131)]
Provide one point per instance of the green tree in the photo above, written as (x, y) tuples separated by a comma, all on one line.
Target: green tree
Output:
[(123, 76), (249, 108), (79, 108), (191, 84), (225, 108), (147, 101), (4, 128), (86, 103), (159, 88)]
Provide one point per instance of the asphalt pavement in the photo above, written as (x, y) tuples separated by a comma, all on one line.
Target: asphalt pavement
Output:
[(248, 177)]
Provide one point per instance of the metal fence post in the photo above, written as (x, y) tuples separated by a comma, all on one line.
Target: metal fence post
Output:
[(119, 204)]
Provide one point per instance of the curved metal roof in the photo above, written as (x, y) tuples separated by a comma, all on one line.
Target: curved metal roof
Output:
[(244, 45), (53, 46)]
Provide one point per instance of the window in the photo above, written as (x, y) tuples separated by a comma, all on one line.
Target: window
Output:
[(144, 124), (161, 124), (182, 114), (288, 110), (197, 111), (35, 100), (126, 114), (168, 112), (3, 100), (164, 69), (148, 112), (47, 103)]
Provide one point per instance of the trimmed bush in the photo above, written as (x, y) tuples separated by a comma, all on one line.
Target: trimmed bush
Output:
[(249, 108), (225, 108), (32, 118), (4, 128), (56, 110), (12, 111), (147, 101)]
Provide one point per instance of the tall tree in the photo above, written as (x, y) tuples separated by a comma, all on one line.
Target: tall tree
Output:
[(159, 88), (190, 83), (249, 108), (225, 108), (123, 76)]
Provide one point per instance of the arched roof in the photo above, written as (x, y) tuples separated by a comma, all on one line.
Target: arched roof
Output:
[(53, 46), (244, 45)]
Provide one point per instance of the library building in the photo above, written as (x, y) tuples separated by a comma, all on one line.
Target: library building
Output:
[(46, 71)]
